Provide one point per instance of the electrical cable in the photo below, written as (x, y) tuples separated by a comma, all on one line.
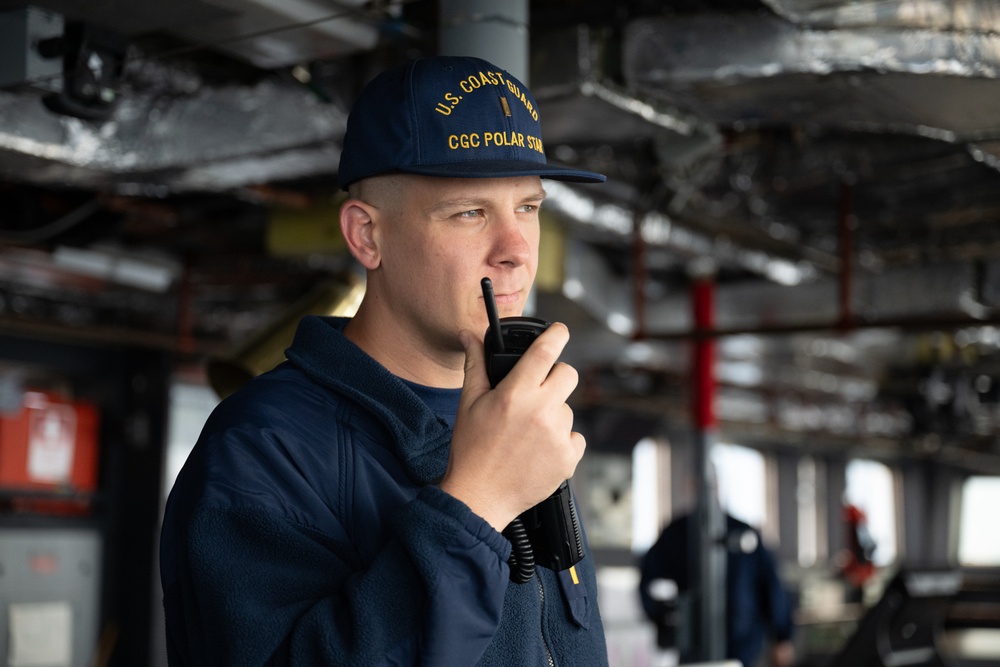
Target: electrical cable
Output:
[(51, 229)]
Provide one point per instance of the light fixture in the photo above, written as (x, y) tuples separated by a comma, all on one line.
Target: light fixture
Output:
[(93, 62)]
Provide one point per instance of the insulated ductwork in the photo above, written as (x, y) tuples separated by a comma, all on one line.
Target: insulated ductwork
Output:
[(756, 69), (173, 130), (589, 115), (874, 122), (194, 138), (951, 15)]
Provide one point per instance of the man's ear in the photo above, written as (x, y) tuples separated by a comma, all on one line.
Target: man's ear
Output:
[(358, 228)]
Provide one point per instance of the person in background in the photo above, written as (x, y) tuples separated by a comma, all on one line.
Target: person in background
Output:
[(854, 563), (346, 508), (758, 608)]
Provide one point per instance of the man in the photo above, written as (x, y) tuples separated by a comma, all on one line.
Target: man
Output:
[(757, 606), (346, 507)]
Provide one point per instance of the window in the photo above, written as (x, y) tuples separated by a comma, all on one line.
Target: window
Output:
[(190, 406), (871, 488), (808, 515), (978, 539), (650, 492), (741, 474)]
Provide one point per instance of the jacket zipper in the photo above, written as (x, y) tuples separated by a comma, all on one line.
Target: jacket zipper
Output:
[(541, 597)]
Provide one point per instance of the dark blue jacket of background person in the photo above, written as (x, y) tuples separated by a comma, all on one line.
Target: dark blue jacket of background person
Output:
[(305, 529), (757, 605)]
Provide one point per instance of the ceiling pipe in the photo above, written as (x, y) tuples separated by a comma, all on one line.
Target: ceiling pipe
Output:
[(908, 298), (660, 230), (908, 324)]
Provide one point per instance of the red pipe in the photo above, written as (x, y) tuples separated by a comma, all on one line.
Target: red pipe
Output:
[(703, 399), (639, 275), (186, 343), (846, 224)]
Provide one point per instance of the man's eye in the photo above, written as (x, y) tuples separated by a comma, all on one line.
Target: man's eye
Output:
[(470, 214), (529, 208)]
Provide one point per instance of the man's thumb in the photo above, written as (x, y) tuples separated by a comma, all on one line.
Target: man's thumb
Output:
[(475, 363)]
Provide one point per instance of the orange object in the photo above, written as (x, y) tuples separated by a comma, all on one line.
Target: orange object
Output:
[(48, 453)]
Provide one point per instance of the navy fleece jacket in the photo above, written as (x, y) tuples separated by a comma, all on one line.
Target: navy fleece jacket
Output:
[(305, 529)]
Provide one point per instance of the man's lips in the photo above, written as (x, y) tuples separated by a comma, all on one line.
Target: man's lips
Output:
[(507, 299)]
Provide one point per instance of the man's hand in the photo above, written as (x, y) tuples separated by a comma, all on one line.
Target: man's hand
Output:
[(783, 654), (512, 446)]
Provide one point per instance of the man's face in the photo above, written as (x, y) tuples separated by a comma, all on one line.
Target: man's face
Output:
[(439, 239)]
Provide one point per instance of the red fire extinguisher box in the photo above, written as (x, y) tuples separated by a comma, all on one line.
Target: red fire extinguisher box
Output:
[(49, 447)]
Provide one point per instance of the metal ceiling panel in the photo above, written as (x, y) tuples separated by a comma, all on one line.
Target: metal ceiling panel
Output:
[(131, 17), (267, 33), (273, 33)]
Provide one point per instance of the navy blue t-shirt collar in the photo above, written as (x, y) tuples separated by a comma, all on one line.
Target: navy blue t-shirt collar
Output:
[(442, 402)]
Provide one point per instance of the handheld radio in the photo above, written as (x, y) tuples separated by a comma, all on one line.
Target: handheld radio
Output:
[(549, 533)]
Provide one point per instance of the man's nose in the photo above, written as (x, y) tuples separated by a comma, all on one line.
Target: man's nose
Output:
[(510, 246)]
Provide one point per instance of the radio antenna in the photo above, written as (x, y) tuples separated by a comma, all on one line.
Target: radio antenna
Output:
[(491, 313)]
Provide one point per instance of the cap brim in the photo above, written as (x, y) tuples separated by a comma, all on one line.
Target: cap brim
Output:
[(504, 168)]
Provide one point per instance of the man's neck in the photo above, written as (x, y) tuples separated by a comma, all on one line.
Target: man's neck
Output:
[(419, 363)]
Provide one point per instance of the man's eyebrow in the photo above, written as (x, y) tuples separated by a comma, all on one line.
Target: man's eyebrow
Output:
[(458, 203), (469, 203)]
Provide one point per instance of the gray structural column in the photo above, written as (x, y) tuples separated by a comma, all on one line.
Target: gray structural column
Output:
[(494, 30), (707, 537)]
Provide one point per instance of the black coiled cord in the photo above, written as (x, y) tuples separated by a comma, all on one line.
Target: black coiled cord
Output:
[(522, 556)]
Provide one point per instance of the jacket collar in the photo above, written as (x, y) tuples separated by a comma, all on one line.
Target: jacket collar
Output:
[(328, 357)]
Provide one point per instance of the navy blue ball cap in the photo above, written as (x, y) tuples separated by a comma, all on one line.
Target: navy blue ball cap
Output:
[(449, 116)]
